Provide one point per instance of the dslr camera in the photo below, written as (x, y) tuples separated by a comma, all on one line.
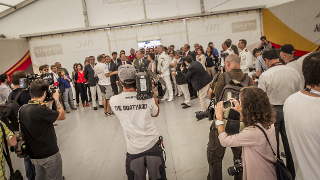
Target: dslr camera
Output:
[(236, 169), (21, 148), (48, 77)]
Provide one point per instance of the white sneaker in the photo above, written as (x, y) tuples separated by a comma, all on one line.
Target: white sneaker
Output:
[(171, 99), (163, 99)]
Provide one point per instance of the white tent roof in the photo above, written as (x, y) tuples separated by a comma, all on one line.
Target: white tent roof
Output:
[(6, 4)]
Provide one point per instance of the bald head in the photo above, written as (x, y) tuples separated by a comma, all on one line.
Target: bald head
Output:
[(232, 62)]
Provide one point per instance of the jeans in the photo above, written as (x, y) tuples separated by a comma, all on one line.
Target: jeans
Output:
[(49, 168), (68, 94), (83, 92), (215, 154), (30, 169), (281, 129)]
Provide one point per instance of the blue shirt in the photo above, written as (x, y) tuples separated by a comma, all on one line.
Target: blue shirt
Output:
[(216, 52), (65, 82)]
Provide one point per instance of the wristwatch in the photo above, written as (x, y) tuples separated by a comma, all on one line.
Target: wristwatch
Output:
[(219, 122)]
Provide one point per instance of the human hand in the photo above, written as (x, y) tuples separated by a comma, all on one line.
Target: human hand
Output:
[(219, 110), (175, 73), (181, 68), (56, 95), (117, 82), (159, 72), (65, 77), (115, 72), (236, 105)]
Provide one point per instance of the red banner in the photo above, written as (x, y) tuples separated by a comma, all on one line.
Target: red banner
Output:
[(22, 64)]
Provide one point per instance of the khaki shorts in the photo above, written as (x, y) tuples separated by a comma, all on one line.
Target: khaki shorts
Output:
[(106, 91)]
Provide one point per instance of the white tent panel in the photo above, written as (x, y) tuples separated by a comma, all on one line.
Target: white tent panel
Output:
[(169, 8), (173, 33), (108, 12), (217, 29), (223, 5), (43, 16), (68, 49), (123, 39)]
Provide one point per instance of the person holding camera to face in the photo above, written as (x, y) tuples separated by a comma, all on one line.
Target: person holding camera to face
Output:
[(144, 149), (258, 160), (265, 44), (36, 122)]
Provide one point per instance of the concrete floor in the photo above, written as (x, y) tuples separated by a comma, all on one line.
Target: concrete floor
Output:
[(93, 146)]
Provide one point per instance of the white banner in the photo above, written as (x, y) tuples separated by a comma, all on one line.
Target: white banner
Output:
[(68, 49), (236, 26)]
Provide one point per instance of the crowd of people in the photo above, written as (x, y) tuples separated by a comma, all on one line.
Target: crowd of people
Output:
[(277, 93)]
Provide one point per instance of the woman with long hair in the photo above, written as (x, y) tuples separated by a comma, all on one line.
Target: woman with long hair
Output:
[(201, 58), (258, 160), (152, 68), (74, 82), (81, 85)]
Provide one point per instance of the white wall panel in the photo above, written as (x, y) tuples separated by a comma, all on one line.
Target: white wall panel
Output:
[(68, 49), (108, 12), (173, 33), (228, 26), (43, 16), (168, 8)]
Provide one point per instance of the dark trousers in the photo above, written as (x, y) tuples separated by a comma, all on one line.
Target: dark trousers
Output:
[(30, 169), (215, 154), (280, 128), (152, 159), (114, 89), (193, 93), (83, 92), (77, 93)]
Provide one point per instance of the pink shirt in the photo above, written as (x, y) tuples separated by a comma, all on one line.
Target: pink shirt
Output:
[(257, 158)]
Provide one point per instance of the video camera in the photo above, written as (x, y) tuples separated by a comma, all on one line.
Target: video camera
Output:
[(143, 84), (47, 77)]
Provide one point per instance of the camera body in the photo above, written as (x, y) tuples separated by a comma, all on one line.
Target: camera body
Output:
[(20, 148), (48, 77), (144, 86), (236, 169)]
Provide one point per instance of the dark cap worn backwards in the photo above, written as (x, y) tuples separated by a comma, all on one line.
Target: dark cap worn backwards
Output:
[(126, 72), (287, 48)]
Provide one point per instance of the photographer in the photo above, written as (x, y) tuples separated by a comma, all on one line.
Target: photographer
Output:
[(142, 137), (11, 141), (265, 44), (36, 121), (257, 157)]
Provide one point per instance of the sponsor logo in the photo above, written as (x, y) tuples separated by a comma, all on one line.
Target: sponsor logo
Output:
[(85, 43), (244, 26), (211, 27), (114, 1), (317, 29), (50, 50)]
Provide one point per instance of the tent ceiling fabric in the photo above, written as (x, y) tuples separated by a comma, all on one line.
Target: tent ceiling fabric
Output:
[(64, 16), (8, 2)]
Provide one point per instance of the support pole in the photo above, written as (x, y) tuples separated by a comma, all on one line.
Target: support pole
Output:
[(85, 13)]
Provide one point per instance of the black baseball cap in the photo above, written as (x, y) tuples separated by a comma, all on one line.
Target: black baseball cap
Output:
[(287, 48)]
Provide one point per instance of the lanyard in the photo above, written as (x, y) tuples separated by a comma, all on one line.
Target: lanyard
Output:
[(276, 64), (312, 91), (36, 102)]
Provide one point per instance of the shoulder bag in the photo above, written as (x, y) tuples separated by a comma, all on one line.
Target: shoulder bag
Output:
[(282, 171)]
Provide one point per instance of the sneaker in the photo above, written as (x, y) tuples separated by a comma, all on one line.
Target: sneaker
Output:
[(84, 105), (68, 111), (171, 99), (95, 108), (163, 99), (179, 95), (185, 106), (101, 106), (88, 104)]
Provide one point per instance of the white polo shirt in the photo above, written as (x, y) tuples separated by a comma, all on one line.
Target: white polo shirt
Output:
[(135, 117), (279, 82)]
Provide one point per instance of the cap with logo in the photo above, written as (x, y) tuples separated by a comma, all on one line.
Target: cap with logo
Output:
[(287, 48), (126, 72)]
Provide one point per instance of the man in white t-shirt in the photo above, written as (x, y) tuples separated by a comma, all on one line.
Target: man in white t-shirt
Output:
[(302, 118), (102, 72), (143, 143)]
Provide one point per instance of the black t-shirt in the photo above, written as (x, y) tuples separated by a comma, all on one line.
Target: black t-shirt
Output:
[(37, 127), (24, 97)]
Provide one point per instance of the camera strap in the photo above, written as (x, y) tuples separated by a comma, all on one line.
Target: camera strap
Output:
[(36, 102), (6, 152), (312, 91)]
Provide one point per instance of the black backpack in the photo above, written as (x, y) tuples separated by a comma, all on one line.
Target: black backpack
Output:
[(232, 90), (9, 112)]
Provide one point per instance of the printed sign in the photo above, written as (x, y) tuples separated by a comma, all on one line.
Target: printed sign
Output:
[(244, 26), (51, 50)]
